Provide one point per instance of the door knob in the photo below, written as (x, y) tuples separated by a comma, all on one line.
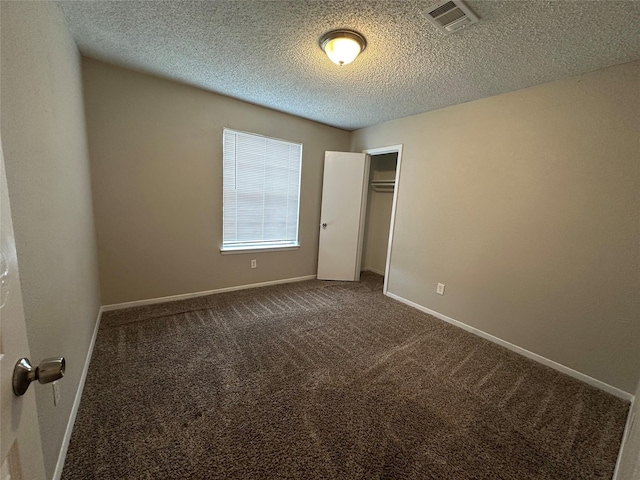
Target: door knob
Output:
[(49, 370), (324, 225)]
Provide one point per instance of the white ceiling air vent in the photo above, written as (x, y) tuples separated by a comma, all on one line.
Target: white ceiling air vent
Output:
[(451, 15)]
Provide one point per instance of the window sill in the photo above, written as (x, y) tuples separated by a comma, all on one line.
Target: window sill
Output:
[(240, 250)]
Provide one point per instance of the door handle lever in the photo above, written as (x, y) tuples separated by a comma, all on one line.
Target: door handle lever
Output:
[(49, 370)]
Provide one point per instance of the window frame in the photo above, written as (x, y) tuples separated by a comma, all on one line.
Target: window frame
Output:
[(230, 249)]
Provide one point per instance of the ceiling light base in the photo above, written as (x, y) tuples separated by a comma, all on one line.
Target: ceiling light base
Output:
[(342, 46)]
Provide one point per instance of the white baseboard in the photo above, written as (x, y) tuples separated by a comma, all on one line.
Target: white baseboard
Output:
[(76, 403), (186, 296), (515, 348)]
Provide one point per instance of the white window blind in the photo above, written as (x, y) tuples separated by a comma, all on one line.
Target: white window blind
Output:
[(261, 185)]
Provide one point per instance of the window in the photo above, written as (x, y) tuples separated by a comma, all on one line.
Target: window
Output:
[(261, 188)]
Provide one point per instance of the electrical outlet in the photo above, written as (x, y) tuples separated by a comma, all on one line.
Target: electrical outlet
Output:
[(440, 289), (254, 264), (56, 393)]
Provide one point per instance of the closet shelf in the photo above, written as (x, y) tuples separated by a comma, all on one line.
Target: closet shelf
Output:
[(383, 185)]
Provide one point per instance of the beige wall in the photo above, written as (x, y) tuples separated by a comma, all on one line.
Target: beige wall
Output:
[(156, 156), (526, 205), (44, 141)]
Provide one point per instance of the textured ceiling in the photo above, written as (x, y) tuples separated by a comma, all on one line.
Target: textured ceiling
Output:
[(267, 53)]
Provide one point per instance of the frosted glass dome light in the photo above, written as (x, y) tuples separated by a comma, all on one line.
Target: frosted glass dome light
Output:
[(342, 46)]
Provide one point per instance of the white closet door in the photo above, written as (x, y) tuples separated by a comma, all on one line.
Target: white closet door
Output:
[(341, 221), (20, 448)]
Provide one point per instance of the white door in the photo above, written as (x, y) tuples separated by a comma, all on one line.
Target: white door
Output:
[(344, 199), (20, 448)]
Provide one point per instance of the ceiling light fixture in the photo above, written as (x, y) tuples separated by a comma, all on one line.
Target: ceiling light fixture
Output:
[(342, 46)]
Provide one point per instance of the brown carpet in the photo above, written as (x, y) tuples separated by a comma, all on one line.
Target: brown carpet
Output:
[(327, 380)]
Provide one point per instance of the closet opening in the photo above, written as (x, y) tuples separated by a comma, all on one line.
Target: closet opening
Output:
[(380, 210)]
